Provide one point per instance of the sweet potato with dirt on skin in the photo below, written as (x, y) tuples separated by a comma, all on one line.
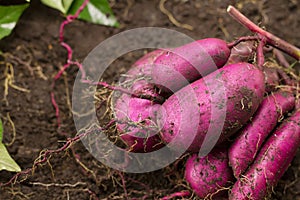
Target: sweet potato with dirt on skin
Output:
[(270, 164), (135, 115), (187, 115), (137, 78), (245, 147), (209, 175), (137, 127), (244, 52), (140, 112), (177, 67)]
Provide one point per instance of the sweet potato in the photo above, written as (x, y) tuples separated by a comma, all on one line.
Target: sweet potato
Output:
[(136, 123), (143, 66), (209, 175), (135, 115), (179, 66), (140, 112), (137, 79), (228, 96), (270, 164), (245, 147)]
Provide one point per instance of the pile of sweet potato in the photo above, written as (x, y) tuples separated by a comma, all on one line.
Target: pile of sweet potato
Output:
[(235, 114)]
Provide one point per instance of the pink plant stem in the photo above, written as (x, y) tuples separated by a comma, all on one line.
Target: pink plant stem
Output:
[(123, 90), (92, 194), (177, 194), (70, 62), (123, 183), (260, 58), (68, 20), (44, 157), (280, 57), (282, 60), (270, 38), (286, 79), (241, 39), (56, 109)]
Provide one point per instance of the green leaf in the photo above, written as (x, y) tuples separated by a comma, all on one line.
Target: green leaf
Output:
[(61, 5), (9, 16), (6, 162), (96, 11), (1, 131)]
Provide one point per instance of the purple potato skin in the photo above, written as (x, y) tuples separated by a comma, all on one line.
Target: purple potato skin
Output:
[(244, 88), (245, 147), (270, 164), (208, 175), (137, 110), (179, 66), (132, 110)]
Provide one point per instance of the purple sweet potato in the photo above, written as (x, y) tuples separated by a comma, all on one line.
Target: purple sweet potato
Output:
[(136, 115), (141, 111), (137, 126), (244, 52), (177, 67), (143, 66), (209, 175), (137, 78), (187, 115), (270, 164), (245, 147)]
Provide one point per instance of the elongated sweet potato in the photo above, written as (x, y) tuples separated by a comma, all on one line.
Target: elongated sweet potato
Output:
[(209, 175), (220, 103), (179, 66), (245, 147), (270, 164)]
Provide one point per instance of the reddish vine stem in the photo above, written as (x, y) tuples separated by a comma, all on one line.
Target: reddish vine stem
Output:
[(270, 38), (242, 39), (69, 62), (123, 90), (177, 194), (286, 79), (260, 58), (92, 194), (48, 153), (69, 19), (282, 60), (123, 184)]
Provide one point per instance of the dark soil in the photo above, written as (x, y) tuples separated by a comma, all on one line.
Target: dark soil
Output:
[(35, 42)]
